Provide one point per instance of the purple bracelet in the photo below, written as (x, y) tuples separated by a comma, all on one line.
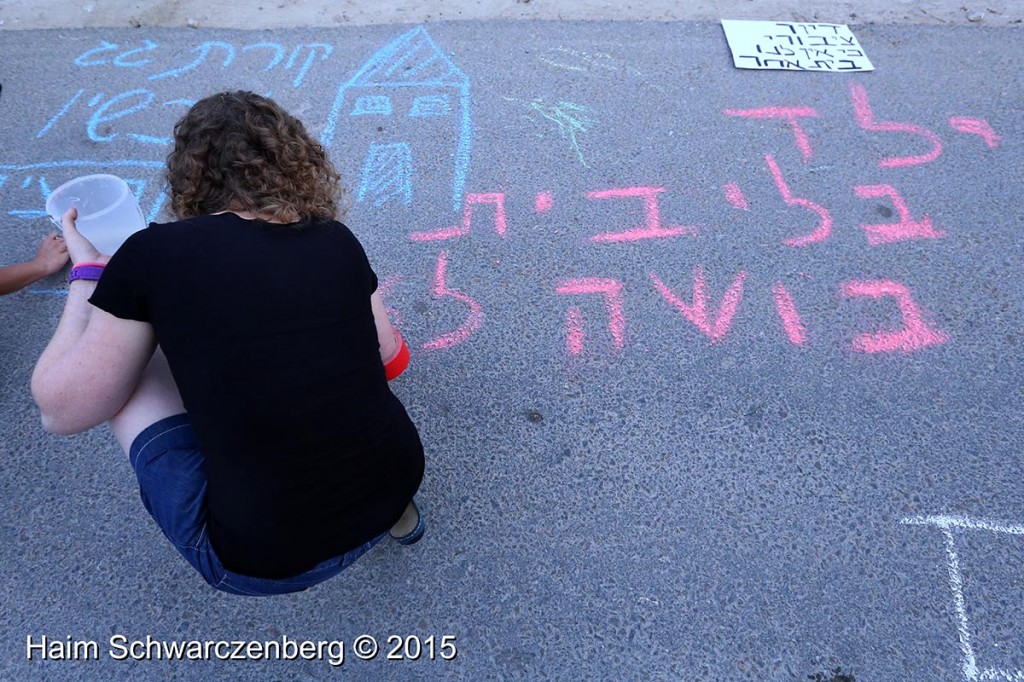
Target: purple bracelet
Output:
[(88, 271)]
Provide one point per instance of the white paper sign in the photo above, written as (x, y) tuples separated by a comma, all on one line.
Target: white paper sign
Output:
[(794, 46)]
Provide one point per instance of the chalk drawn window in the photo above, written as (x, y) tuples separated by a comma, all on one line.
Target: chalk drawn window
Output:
[(372, 104), (430, 105)]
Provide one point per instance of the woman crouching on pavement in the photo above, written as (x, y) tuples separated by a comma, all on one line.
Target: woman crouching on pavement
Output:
[(241, 356)]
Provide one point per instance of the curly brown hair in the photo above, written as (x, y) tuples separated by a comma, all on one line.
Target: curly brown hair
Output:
[(238, 151)]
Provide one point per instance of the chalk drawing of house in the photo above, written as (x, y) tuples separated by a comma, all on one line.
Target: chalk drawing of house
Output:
[(409, 77)]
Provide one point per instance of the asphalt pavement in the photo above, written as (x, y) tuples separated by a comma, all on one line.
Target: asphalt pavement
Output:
[(718, 371)]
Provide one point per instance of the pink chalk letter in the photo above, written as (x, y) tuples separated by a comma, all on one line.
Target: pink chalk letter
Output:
[(544, 202), (714, 326), (824, 224), (906, 229), (976, 126), (734, 195), (495, 198), (574, 331), (790, 114), (473, 320), (915, 334), (791, 323), (612, 293), (652, 227), (866, 120)]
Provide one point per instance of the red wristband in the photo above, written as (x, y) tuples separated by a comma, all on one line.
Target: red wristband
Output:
[(397, 364)]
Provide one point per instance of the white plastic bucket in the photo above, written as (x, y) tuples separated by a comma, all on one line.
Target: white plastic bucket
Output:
[(107, 211)]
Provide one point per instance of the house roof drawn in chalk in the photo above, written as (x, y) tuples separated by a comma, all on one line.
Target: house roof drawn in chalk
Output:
[(411, 59)]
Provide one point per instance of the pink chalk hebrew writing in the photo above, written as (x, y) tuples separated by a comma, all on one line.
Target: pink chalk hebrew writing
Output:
[(791, 115), (543, 202), (611, 292), (794, 328), (712, 316), (734, 195), (824, 227), (915, 334), (652, 227), (866, 120), (474, 318), (976, 126), (907, 228), (497, 199), (713, 324)]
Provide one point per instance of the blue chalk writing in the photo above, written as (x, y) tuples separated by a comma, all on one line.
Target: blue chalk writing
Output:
[(109, 111), (278, 53), (121, 59), (76, 164), (44, 193), (149, 139), (101, 116), (38, 186), (133, 58), (387, 173), (138, 187), (204, 51), (157, 205), (312, 47), (60, 113), (83, 59)]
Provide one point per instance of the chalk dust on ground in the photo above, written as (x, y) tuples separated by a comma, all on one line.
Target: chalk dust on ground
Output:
[(257, 14)]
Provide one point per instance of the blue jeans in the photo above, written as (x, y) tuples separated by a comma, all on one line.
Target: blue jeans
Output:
[(172, 484)]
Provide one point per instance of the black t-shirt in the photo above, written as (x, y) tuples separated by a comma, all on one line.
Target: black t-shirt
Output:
[(269, 334)]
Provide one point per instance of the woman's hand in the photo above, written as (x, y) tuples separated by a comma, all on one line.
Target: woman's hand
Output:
[(80, 248)]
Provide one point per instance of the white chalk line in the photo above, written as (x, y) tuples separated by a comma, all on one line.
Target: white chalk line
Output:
[(946, 523), (970, 665), (966, 522)]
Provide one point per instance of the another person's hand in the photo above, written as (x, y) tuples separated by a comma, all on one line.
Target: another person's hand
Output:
[(52, 254), (80, 248)]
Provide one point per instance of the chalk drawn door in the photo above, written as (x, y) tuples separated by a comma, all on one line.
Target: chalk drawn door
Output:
[(387, 174)]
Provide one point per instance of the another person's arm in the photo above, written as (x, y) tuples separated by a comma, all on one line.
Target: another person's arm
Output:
[(50, 257)]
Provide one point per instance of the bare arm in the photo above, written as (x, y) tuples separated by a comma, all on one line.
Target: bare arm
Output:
[(91, 366), (94, 361), (50, 257), (385, 332)]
